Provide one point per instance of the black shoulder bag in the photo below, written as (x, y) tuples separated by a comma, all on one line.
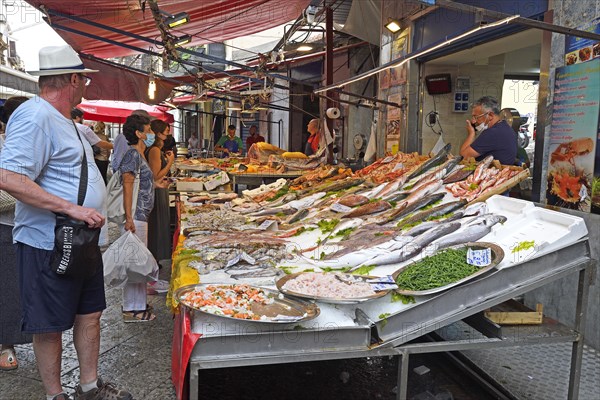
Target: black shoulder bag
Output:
[(76, 252)]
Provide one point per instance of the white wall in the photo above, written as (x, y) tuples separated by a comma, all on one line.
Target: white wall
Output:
[(486, 80), (280, 98)]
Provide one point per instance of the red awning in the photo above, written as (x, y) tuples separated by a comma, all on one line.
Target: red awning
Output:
[(117, 83), (118, 111), (210, 21)]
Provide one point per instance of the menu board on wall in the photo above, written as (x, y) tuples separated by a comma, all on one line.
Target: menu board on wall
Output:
[(574, 135), (579, 50)]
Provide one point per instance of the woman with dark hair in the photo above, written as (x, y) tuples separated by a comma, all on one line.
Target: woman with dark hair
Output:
[(10, 317), (137, 211), (160, 162)]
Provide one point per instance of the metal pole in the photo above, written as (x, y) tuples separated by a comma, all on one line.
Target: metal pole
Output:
[(520, 20), (329, 73), (583, 290), (542, 112), (402, 381)]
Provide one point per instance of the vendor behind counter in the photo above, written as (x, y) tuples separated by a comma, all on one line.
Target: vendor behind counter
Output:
[(229, 143)]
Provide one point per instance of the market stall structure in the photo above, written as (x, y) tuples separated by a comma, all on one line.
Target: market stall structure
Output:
[(403, 58)]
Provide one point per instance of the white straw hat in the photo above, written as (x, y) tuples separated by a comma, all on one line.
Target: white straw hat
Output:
[(58, 60)]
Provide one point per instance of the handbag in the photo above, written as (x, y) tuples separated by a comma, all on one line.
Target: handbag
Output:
[(76, 251), (115, 212)]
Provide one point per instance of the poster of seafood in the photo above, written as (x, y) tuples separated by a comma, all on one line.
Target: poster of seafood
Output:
[(580, 50), (573, 135), (396, 76)]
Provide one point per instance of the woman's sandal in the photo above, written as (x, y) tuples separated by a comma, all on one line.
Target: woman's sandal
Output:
[(8, 360), (138, 316)]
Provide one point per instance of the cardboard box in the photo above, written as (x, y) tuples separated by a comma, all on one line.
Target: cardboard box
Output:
[(190, 186), (211, 182)]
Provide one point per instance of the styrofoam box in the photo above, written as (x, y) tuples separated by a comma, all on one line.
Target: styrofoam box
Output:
[(508, 206), (190, 186), (550, 230), (213, 181)]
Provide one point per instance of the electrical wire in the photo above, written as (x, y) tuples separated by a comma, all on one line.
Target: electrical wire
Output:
[(436, 118)]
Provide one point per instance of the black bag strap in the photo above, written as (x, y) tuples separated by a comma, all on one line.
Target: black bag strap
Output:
[(83, 179)]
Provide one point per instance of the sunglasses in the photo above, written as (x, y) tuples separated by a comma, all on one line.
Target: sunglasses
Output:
[(87, 79)]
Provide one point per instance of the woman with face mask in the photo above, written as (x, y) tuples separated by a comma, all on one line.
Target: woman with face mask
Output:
[(495, 138), (136, 131), (160, 163)]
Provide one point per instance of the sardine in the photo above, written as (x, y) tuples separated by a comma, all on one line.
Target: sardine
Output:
[(353, 200), (367, 209), (405, 208), (472, 232), (437, 211), (438, 159)]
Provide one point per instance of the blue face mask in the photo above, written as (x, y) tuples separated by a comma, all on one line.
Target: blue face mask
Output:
[(150, 137)]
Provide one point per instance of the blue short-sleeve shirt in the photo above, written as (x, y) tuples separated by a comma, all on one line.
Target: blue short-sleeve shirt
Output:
[(133, 162), (42, 145)]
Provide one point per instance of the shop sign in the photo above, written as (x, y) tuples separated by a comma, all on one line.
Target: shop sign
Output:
[(579, 50), (574, 136)]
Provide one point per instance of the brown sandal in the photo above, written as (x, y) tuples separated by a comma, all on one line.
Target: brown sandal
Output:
[(138, 316), (8, 360)]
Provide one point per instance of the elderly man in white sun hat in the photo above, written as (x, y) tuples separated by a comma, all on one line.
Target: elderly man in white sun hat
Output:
[(40, 165)]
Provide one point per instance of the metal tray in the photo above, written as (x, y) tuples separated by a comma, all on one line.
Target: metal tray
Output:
[(298, 310), (333, 300), (497, 256)]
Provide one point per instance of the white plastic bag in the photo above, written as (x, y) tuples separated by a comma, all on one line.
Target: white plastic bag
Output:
[(114, 199), (128, 260)]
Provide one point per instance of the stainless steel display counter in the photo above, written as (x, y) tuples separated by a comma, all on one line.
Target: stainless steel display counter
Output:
[(354, 334)]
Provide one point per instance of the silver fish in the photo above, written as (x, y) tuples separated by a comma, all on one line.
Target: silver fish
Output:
[(274, 211), (472, 232), (298, 216), (438, 159), (414, 247)]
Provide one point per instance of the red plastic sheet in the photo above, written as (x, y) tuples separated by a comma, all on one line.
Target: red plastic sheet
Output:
[(118, 111), (211, 21), (184, 341)]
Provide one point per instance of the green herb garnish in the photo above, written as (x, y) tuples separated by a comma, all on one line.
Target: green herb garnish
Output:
[(431, 205), (526, 245), (302, 229), (473, 186), (344, 233), (438, 217), (329, 269), (281, 192), (396, 297), (364, 270), (328, 225), (440, 269), (384, 321), (408, 226)]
